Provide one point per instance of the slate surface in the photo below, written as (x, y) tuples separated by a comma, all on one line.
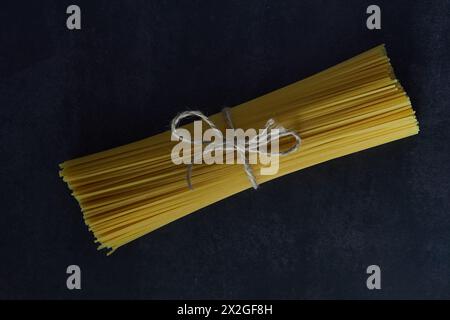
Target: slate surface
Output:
[(135, 64)]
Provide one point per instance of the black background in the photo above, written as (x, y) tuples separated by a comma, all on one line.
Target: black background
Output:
[(135, 64)]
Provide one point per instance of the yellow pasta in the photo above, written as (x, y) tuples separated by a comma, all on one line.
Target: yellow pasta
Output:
[(129, 191)]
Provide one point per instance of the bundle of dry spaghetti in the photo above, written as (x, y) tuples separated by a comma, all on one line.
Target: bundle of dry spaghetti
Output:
[(129, 191)]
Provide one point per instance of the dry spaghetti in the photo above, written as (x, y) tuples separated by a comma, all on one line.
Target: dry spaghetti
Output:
[(129, 191)]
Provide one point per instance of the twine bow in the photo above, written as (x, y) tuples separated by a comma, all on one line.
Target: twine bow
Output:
[(249, 146)]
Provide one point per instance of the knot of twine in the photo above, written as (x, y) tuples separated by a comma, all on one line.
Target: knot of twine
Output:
[(249, 146)]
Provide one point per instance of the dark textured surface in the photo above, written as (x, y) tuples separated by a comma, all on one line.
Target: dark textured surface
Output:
[(135, 64)]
